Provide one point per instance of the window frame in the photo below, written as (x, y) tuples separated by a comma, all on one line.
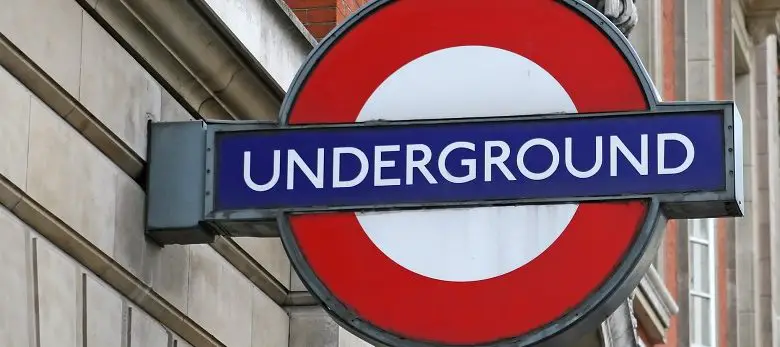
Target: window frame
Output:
[(707, 228)]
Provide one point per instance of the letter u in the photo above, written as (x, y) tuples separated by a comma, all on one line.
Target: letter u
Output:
[(248, 173)]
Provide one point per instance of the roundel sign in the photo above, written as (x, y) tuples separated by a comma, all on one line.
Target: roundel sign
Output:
[(476, 173)]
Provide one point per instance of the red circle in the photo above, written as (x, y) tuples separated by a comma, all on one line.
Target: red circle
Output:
[(597, 77)]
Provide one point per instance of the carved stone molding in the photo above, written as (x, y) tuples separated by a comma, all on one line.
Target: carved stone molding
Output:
[(622, 13), (619, 330), (189, 48), (762, 24), (762, 18), (654, 307)]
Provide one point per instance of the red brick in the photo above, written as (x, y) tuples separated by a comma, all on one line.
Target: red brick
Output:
[(721, 228), (719, 52), (346, 8), (321, 15), (669, 90), (299, 4), (670, 277), (669, 58), (340, 16), (302, 15), (319, 30), (643, 335)]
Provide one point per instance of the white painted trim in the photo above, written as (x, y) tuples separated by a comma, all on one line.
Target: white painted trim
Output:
[(708, 225), (713, 282)]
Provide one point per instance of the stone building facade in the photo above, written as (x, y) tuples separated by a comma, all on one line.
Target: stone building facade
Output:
[(81, 79), (722, 274)]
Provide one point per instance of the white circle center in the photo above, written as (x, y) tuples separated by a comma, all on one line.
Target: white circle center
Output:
[(471, 244)]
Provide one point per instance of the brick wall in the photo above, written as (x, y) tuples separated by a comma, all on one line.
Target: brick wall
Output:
[(347, 7), (321, 16), (669, 91)]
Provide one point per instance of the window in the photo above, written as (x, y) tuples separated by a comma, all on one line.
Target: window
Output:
[(701, 258)]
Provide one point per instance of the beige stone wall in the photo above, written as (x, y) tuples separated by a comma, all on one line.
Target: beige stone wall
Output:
[(756, 59), (756, 234), (74, 262), (73, 181), (51, 299), (754, 290)]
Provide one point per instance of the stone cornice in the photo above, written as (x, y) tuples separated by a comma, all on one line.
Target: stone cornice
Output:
[(762, 18), (654, 306), (622, 13), (743, 57), (186, 47), (619, 330)]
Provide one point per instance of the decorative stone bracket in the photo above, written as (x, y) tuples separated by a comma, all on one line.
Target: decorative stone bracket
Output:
[(762, 18), (654, 307), (650, 306), (622, 13)]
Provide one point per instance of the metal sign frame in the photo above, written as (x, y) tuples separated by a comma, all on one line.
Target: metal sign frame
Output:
[(675, 205)]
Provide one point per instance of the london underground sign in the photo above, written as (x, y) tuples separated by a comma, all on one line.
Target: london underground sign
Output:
[(499, 183), (471, 161)]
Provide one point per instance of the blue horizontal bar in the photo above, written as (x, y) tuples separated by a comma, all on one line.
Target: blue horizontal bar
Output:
[(470, 161)]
